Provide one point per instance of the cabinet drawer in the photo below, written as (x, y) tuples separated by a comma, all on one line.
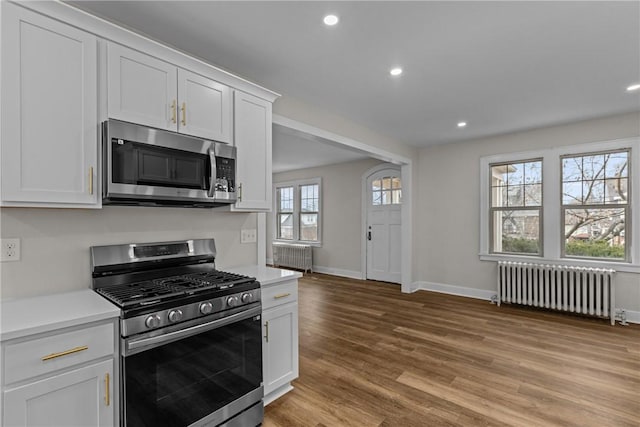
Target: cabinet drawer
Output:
[(44, 355), (283, 293)]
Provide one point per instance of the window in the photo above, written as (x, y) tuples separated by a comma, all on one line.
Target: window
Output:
[(595, 204), (573, 205), (516, 206), (386, 191), (297, 211)]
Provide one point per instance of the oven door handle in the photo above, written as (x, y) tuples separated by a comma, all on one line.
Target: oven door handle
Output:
[(214, 173), (193, 330)]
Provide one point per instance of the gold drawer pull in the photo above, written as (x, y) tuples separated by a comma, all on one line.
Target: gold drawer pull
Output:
[(65, 353), (173, 111), (91, 180), (107, 398), (184, 114), (281, 296)]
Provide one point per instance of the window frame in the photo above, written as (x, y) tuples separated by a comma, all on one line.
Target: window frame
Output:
[(626, 207), (297, 210), (539, 209), (552, 205)]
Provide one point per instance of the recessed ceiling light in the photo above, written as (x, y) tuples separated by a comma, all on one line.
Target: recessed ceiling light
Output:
[(462, 124), (633, 87), (396, 71), (331, 20)]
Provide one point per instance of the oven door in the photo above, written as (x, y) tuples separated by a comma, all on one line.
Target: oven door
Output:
[(204, 374)]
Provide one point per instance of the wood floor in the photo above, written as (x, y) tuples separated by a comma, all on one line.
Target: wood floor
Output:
[(372, 356)]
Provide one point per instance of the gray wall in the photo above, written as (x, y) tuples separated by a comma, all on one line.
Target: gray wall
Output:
[(55, 242), (341, 214), (448, 203)]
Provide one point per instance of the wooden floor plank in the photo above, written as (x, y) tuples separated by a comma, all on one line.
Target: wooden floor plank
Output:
[(372, 356)]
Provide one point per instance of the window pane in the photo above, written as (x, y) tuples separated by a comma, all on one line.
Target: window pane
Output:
[(593, 192), (377, 198), (499, 175), (572, 169), (593, 166), (396, 197), (309, 227), (285, 197), (515, 196), (386, 197), (616, 191), (498, 196), (595, 233), (386, 183), (515, 175), (376, 185), (533, 172), (285, 226), (516, 231), (396, 183), (309, 198), (617, 165), (572, 193), (533, 195)]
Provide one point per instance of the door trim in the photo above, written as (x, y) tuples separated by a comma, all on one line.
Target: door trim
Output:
[(405, 227)]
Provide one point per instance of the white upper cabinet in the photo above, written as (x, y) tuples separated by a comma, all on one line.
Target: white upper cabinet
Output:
[(148, 91), (253, 121), (205, 107), (141, 89), (49, 136)]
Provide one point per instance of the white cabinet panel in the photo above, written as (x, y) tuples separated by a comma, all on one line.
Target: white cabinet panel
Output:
[(205, 107), (252, 127), (82, 398), (141, 89), (49, 111), (280, 349)]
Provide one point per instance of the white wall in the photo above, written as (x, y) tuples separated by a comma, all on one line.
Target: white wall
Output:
[(55, 242), (341, 214), (447, 206)]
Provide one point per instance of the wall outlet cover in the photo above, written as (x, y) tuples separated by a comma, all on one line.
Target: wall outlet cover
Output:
[(10, 250), (248, 235)]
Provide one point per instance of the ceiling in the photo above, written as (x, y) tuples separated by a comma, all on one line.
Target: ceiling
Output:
[(499, 66)]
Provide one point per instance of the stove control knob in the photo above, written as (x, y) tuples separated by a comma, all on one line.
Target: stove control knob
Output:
[(246, 298), (206, 308), (175, 316), (152, 321), (232, 301)]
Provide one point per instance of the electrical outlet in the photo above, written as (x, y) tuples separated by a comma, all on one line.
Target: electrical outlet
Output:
[(248, 235), (10, 250)]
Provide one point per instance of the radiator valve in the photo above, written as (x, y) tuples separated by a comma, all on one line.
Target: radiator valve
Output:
[(621, 316), (494, 299)]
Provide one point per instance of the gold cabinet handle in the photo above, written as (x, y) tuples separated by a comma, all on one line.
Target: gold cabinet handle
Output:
[(65, 353), (173, 111), (91, 180), (266, 327), (281, 296), (107, 398), (184, 114)]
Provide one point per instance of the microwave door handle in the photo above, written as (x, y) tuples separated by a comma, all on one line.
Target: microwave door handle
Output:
[(214, 174)]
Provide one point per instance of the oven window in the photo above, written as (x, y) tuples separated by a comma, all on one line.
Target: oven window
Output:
[(183, 381), (146, 164)]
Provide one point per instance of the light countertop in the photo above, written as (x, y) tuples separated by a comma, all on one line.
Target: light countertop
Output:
[(26, 316), (265, 275)]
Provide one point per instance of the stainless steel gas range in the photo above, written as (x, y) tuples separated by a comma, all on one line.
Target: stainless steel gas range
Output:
[(191, 349)]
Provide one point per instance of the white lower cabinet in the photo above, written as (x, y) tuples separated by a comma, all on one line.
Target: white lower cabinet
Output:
[(280, 338), (82, 397), (67, 377)]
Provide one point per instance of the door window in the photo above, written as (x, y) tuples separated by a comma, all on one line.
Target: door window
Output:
[(386, 191)]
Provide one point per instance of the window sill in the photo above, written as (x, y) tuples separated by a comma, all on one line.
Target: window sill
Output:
[(622, 267), (299, 242)]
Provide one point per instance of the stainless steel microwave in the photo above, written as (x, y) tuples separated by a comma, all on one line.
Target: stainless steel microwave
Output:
[(147, 166)]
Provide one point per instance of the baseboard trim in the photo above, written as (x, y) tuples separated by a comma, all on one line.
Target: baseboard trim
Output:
[(338, 272), (453, 290), (632, 316)]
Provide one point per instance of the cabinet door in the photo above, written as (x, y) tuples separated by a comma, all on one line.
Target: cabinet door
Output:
[(141, 89), (205, 107), (253, 141), (49, 111), (81, 398), (280, 346)]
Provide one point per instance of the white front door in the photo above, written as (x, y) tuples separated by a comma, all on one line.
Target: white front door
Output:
[(384, 198)]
